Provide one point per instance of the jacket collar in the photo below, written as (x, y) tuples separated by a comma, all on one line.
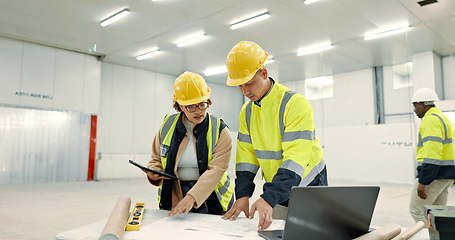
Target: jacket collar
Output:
[(432, 110), (258, 103)]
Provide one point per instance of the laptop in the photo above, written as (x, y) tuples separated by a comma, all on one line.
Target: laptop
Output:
[(325, 212)]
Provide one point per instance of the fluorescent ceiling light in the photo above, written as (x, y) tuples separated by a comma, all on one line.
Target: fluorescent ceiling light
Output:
[(387, 33), (250, 20), (269, 60), (148, 55), (315, 50), (310, 1), (192, 40), (115, 17), (215, 71)]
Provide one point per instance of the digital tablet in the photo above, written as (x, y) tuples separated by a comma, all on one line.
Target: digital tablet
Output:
[(161, 173)]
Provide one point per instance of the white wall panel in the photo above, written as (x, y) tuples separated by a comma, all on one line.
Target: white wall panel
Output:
[(144, 127), (352, 104), (122, 109), (427, 71), (216, 95), (133, 104), (227, 102), (42, 77), (38, 75), (91, 98), (116, 166), (376, 153), (449, 77), (10, 71), (104, 116), (164, 89), (69, 80), (396, 101)]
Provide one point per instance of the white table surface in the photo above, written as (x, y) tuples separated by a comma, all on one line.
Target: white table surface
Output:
[(155, 218)]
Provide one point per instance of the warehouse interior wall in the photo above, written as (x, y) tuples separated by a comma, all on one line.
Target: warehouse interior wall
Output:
[(130, 104), (35, 76), (448, 71), (47, 97)]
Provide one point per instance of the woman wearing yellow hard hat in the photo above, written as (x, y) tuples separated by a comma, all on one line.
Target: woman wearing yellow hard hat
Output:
[(196, 147)]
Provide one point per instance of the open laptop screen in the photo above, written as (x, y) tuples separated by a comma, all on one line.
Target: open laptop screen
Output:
[(330, 212)]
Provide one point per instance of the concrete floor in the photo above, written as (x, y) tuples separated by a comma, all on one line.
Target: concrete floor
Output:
[(41, 211)]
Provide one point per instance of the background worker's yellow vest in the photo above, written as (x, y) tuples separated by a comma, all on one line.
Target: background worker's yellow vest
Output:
[(435, 152), (224, 188)]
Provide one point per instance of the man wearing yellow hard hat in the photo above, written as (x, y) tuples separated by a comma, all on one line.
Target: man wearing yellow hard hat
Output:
[(196, 147), (276, 134), (435, 155)]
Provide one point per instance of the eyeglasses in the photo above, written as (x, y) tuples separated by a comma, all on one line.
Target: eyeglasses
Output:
[(201, 106)]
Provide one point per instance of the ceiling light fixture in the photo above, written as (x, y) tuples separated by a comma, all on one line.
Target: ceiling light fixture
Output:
[(426, 2), (192, 40), (115, 17), (310, 1), (314, 50), (250, 20), (387, 33), (215, 71), (148, 54)]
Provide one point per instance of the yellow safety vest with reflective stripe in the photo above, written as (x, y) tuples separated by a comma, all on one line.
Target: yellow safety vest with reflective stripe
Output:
[(436, 144), (224, 189), (279, 134)]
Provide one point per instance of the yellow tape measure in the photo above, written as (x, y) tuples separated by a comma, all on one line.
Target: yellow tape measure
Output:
[(135, 219)]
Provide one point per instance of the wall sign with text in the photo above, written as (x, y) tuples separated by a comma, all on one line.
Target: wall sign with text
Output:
[(34, 95)]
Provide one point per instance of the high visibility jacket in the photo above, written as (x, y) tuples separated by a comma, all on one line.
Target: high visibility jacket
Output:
[(435, 149), (279, 137), (207, 135)]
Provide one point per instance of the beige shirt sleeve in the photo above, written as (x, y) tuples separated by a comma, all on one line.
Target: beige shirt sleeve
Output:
[(155, 162), (216, 168)]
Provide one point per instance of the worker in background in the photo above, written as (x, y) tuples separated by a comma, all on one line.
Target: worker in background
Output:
[(276, 134), (435, 155), (196, 147)]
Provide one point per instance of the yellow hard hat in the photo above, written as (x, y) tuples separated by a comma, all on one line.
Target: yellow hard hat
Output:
[(190, 88), (243, 61)]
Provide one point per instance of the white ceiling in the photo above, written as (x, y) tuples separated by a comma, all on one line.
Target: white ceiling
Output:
[(74, 25)]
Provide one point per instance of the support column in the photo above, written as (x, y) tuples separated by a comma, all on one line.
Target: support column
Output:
[(92, 151), (427, 72)]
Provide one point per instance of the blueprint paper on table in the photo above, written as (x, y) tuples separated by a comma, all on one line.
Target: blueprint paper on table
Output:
[(202, 226)]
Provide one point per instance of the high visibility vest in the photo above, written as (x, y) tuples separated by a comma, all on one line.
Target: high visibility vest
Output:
[(224, 189), (436, 144), (279, 134)]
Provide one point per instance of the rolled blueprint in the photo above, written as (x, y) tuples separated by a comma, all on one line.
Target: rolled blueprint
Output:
[(385, 233), (115, 225), (410, 231)]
